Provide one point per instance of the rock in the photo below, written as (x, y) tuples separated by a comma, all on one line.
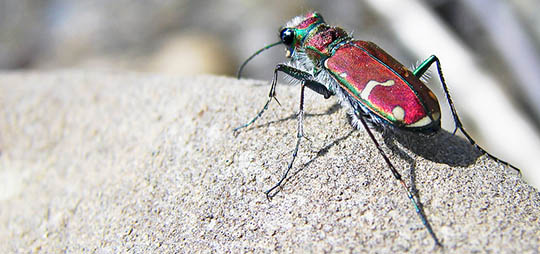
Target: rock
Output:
[(118, 162)]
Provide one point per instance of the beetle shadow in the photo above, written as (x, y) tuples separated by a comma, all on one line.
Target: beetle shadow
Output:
[(441, 147), (389, 140), (320, 152), (331, 110)]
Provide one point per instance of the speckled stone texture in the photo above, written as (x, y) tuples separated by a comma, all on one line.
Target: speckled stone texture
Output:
[(123, 162)]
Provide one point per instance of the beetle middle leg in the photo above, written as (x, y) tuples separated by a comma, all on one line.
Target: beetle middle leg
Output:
[(299, 135), (418, 72)]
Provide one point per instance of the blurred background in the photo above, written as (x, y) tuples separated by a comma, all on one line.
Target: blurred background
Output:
[(489, 49)]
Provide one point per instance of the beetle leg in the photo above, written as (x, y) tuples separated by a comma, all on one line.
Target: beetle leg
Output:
[(424, 66), (306, 81), (299, 135), (398, 177), (421, 69), (419, 72), (305, 77), (318, 88), (271, 95), (257, 116)]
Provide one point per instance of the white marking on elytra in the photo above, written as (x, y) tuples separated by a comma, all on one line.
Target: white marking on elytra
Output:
[(326, 64), (422, 122), (399, 113), (343, 74), (372, 84)]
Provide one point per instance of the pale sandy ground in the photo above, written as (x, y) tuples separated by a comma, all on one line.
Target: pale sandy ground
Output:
[(116, 162)]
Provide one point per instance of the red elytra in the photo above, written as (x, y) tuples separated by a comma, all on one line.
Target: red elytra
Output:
[(369, 74), (384, 85)]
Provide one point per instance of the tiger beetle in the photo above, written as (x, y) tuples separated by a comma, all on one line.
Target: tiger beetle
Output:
[(369, 82)]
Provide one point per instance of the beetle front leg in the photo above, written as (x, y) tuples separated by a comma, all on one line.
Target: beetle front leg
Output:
[(418, 72), (305, 77), (271, 95)]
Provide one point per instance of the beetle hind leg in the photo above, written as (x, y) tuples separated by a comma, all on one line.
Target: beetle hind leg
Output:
[(397, 176), (419, 71)]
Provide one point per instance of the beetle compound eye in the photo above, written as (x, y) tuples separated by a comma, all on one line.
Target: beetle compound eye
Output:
[(287, 36)]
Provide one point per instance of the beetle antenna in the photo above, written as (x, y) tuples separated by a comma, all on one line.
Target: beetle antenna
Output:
[(239, 74)]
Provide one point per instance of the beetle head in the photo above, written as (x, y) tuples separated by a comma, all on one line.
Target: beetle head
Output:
[(295, 32), (292, 35)]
